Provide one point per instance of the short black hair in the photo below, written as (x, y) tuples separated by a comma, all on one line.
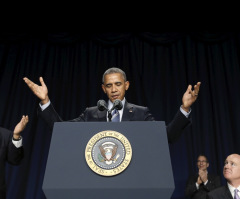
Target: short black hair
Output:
[(114, 70)]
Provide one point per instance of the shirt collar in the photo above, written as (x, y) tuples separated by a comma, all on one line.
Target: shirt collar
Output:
[(110, 105), (231, 189)]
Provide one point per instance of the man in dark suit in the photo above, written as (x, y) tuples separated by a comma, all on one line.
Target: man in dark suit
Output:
[(200, 184), (115, 85), (11, 150), (231, 172)]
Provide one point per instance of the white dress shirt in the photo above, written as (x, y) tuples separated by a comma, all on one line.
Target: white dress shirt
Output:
[(231, 189)]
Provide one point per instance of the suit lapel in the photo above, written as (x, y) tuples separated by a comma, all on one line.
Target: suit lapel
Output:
[(128, 112), (227, 193)]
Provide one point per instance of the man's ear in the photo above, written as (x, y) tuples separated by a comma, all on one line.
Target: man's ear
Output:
[(127, 84), (103, 87)]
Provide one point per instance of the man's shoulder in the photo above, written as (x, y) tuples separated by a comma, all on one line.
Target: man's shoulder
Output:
[(91, 109), (5, 134), (213, 175), (130, 105), (218, 191), (4, 131)]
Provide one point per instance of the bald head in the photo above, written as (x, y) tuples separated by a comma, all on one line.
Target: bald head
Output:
[(231, 170), (234, 155)]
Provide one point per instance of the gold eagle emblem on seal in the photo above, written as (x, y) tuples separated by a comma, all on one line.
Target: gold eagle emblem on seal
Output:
[(108, 153)]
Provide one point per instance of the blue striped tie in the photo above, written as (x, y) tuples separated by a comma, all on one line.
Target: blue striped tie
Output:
[(115, 116)]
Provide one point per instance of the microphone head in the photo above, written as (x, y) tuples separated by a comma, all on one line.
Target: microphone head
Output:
[(118, 104), (102, 105)]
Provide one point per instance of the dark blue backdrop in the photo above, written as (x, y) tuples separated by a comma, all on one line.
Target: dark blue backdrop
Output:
[(159, 67)]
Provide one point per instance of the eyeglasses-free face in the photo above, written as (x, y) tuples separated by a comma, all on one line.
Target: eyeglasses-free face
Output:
[(231, 169)]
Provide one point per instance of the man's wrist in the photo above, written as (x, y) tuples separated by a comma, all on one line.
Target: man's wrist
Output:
[(197, 185), (45, 101), (187, 109), (205, 182), (43, 107), (17, 137)]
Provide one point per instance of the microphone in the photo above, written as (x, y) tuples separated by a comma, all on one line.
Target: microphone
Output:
[(117, 104), (102, 105)]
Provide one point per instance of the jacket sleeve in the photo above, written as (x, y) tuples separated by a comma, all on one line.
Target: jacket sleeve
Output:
[(191, 188), (50, 116), (176, 126), (213, 183), (14, 155)]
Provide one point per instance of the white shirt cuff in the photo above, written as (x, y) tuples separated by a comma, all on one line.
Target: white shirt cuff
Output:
[(184, 112), (205, 182), (44, 106), (17, 143), (197, 185)]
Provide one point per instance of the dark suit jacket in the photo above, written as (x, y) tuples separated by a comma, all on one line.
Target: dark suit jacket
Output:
[(192, 192), (131, 112), (8, 153), (220, 193)]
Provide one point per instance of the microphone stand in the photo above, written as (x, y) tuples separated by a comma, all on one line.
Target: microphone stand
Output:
[(109, 115)]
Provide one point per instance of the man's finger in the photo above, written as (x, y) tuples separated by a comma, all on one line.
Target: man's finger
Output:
[(25, 119), (41, 81), (197, 86), (196, 89), (28, 81), (189, 88)]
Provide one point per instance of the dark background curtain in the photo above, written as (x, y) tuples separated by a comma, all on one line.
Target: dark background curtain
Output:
[(159, 66)]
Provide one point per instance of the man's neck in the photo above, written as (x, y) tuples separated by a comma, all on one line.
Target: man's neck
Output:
[(235, 185)]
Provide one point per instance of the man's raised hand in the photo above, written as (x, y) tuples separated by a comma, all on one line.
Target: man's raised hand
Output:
[(190, 96), (20, 127), (40, 91)]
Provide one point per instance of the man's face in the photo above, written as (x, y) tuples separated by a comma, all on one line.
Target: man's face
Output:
[(115, 86), (231, 169), (202, 163)]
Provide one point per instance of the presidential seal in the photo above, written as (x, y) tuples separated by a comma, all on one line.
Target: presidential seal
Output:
[(108, 153)]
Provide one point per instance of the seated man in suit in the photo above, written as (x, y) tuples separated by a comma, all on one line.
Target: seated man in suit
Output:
[(200, 184), (231, 172), (11, 150), (115, 84)]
